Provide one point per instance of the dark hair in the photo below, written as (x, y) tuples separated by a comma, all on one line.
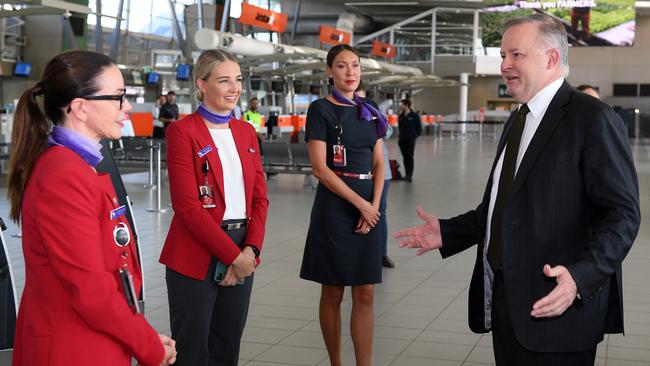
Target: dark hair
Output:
[(67, 76), (334, 51), (406, 102), (171, 92), (253, 98), (361, 87), (584, 87)]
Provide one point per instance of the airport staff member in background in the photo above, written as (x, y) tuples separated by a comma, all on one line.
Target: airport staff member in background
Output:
[(410, 128), (559, 213), (169, 110), (343, 247), (252, 116), (158, 125), (218, 191), (79, 305)]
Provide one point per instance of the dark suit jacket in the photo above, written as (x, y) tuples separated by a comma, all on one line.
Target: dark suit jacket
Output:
[(195, 234), (574, 202)]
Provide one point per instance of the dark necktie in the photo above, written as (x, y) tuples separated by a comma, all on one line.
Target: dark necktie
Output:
[(505, 185)]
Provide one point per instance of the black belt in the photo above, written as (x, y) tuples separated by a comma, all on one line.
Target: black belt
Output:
[(228, 225)]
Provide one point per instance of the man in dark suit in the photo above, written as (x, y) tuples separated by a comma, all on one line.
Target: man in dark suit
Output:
[(558, 216)]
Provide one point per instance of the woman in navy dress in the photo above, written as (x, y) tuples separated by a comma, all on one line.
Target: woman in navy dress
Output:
[(343, 247)]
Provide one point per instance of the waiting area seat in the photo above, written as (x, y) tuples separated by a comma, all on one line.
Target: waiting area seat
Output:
[(283, 157)]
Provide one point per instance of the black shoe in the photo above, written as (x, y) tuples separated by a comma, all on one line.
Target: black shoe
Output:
[(408, 179), (387, 262)]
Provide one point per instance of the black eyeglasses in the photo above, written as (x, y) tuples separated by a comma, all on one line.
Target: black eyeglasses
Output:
[(121, 98)]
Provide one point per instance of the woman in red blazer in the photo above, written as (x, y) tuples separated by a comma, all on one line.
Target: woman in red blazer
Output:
[(76, 240), (218, 192)]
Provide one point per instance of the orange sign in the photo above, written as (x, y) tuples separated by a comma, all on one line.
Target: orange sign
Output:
[(263, 18), (333, 36), (382, 49)]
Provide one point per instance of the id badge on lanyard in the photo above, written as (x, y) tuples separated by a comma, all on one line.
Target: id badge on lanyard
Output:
[(338, 150), (206, 191)]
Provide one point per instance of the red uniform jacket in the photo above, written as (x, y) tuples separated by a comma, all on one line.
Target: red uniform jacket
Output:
[(195, 234), (73, 309)]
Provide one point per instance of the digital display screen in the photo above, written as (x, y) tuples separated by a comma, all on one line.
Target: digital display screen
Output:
[(22, 69), (183, 72), (152, 78), (587, 22)]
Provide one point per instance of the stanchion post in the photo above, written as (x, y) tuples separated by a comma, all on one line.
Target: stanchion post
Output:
[(151, 147), (157, 206)]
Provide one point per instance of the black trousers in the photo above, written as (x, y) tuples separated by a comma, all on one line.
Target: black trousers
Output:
[(207, 320), (508, 351), (407, 147)]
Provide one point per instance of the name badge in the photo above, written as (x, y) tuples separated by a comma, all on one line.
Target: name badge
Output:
[(118, 212), (204, 151)]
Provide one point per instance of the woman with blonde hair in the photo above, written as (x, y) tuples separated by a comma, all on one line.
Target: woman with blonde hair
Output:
[(218, 192)]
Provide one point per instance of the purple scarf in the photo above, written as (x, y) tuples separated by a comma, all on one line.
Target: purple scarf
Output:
[(217, 119), (365, 110), (88, 149)]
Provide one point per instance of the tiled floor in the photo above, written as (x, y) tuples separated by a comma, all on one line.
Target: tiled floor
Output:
[(421, 306)]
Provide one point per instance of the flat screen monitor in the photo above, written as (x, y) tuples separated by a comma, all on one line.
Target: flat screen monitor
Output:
[(587, 22), (152, 78), (183, 72), (22, 69)]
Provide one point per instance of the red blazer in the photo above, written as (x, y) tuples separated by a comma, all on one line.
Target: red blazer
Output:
[(195, 234), (73, 310)]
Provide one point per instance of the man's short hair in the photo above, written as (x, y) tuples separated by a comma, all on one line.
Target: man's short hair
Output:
[(406, 102), (584, 87), (252, 99), (171, 92), (551, 31)]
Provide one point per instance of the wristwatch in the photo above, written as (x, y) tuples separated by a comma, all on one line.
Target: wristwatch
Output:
[(255, 250)]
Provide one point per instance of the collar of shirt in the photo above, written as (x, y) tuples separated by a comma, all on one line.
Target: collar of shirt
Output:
[(540, 102)]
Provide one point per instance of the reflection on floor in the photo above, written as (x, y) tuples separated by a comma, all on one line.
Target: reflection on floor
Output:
[(421, 306)]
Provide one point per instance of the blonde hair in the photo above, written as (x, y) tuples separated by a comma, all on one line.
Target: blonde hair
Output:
[(206, 62)]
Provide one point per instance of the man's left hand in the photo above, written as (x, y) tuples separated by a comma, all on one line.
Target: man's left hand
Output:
[(562, 296)]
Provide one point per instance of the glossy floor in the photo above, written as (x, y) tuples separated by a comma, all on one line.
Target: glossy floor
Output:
[(421, 306)]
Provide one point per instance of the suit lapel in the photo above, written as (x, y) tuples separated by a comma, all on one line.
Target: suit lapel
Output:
[(204, 139), (553, 116)]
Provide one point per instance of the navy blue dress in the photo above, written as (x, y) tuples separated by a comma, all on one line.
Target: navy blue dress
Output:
[(334, 254)]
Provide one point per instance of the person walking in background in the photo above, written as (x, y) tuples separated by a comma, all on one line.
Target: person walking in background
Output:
[(218, 191), (343, 246), (79, 305), (410, 128), (559, 213)]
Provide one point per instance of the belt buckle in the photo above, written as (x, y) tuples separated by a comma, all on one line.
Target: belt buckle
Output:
[(365, 176), (232, 226)]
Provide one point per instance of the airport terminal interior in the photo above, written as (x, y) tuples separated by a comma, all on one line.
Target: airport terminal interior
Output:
[(442, 55)]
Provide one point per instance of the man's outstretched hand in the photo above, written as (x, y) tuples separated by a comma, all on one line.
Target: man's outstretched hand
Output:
[(425, 237)]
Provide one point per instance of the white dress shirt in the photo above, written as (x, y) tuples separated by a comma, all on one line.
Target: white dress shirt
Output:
[(537, 105), (233, 176)]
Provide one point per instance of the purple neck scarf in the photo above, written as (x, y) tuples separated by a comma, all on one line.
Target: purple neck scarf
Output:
[(88, 149), (365, 110), (217, 119)]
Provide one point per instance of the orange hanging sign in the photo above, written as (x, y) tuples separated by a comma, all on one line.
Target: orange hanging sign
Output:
[(263, 18), (333, 36), (382, 49)]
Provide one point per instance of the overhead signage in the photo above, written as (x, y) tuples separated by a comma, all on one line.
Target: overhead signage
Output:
[(381, 49), (263, 18), (333, 36)]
